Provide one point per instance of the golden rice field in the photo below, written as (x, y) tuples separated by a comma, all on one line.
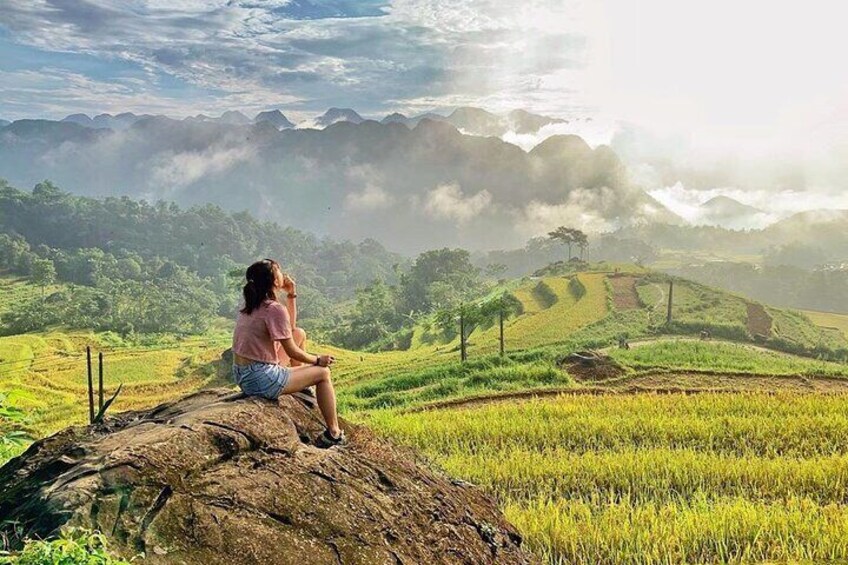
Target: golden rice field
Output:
[(831, 320), (45, 375), (711, 478), (581, 301)]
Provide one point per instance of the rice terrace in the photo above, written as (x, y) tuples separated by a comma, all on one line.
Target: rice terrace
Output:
[(677, 448), (400, 282)]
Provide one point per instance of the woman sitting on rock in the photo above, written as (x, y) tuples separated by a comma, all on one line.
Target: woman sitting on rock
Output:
[(264, 332)]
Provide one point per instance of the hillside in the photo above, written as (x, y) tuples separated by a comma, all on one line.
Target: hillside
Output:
[(561, 440)]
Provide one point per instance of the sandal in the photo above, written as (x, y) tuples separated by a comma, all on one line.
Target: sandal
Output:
[(326, 441)]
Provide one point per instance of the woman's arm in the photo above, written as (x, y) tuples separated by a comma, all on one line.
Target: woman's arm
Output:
[(296, 353), (291, 306), (290, 286)]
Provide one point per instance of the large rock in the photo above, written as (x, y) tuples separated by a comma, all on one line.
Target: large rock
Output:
[(219, 478)]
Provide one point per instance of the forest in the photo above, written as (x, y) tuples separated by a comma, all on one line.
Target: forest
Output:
[(131, 266)]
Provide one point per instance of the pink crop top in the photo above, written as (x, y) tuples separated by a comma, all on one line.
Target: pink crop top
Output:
[(256, 334)]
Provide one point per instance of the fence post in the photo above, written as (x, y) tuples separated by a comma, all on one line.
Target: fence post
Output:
[(500, 323), (462, 353), (90, 385), (670, 294), (100, 381)]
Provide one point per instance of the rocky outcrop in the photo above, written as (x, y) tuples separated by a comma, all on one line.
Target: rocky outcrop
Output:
[(219, 478)]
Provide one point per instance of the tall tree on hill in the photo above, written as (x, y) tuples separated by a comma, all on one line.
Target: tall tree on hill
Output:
[(43, 273), (582, 241), (569, 237)]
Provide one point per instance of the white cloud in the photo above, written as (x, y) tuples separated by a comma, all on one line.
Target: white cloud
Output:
[(174, 171), (372, 197), (774, 205), (591, 210), (448, 202), (593, 131)]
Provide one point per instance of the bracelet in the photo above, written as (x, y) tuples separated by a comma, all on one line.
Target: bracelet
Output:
[(292, 295), (317, 362)]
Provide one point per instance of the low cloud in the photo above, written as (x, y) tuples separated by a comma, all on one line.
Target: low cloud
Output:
[(771, 206), (174, 171), (594, 131), (448, 202), (591, 210), (372, 197)]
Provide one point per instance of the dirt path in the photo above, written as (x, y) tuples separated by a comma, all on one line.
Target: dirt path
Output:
[(624, 295), (682, 382), (759, 321)]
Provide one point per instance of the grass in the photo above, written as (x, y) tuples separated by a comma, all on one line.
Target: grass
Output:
[(608, 479), (722, 357), (45, 375), (15, 291), (653, 479), (829, 320)]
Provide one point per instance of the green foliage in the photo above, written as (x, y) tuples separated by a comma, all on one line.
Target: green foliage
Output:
[(490, 373), (73, 547), (12, 439), (43, 273), (115, 242), (570, 237), (176, 302), (576, 288), (439, 279), (724, 358), (373, 318), (544, 294)]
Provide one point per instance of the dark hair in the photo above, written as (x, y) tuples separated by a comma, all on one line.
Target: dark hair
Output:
[(260, 284)]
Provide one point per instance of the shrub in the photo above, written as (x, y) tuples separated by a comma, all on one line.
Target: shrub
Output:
[(73, 547)]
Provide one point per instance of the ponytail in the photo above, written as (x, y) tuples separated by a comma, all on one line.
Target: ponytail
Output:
[(260, 284)]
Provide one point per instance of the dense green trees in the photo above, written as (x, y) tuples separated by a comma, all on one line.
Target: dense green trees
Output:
[(438, 281), (129, 266)]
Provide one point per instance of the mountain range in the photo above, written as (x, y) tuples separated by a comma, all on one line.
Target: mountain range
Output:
[(470, 120), (412, 183)]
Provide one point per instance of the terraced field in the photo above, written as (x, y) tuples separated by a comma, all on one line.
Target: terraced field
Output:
[(45, 375), (687, 451), (829, 320), (647, 478)]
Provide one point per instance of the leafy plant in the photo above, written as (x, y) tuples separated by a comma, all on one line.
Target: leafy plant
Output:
[(73, 547)]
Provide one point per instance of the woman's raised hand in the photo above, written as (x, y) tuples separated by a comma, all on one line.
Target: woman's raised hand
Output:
[(289, 284)]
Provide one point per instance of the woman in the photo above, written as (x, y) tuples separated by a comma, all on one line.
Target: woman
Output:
[(263, 332)]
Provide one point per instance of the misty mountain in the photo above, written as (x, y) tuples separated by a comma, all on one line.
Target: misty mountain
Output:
[(235, 118), (476, 121), (395, 118), (335, 115), (825, 230), (105, 121), (275, 118), (469, 120), (412, 188), (729, 213)]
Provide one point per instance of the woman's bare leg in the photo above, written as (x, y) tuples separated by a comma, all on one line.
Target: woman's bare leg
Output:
[(299, 335), (304, 377)]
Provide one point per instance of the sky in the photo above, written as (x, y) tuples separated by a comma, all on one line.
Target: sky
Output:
[(756, 80), (740, 69)]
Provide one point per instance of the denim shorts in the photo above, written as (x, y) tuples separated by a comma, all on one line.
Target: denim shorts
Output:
[(261, 379)]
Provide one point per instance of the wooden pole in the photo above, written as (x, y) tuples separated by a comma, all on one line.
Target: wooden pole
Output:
[(500, 322), (462, 335), (670, 295), (100, 380), (90, 386)]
